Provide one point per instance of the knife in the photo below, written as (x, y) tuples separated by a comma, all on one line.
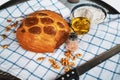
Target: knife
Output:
[(11, 3), (76, 72), (110, 9)]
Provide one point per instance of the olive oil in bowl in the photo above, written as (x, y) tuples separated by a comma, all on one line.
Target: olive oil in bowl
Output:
[(80, 25)]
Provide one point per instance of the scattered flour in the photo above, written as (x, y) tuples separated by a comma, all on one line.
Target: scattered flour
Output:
[(95, 15)]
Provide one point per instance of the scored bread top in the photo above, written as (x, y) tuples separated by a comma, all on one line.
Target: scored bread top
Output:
[(42, 31)]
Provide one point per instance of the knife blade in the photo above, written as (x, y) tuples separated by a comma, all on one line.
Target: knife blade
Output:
[(110, 9), (11, 3), (76, 72)]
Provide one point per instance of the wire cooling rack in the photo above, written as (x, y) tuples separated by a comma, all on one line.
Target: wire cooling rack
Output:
[(24, 65)]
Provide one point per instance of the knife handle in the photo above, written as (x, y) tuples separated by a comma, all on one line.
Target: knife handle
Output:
[(70, 75)]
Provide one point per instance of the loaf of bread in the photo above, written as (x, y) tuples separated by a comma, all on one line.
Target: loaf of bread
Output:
[(42, 31)]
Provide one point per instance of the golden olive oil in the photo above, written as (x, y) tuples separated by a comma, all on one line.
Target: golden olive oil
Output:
[(80, 25)]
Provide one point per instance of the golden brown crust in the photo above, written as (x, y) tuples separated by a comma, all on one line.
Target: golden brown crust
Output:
[(42, 31)]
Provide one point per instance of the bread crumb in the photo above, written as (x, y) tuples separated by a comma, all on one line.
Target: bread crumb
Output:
[(4, 36), (64, 62), (40, 58), (8, 28), (78, 55), (68, 54), (66, 69), (54, 64), (73, 58), (5, 46), (71, 64), (15, 24), (9, 20)]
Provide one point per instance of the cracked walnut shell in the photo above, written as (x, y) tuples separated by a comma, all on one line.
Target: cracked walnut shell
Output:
[(42, 31)]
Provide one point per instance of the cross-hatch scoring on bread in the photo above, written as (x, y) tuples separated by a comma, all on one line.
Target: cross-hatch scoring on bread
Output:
[(42, 31)]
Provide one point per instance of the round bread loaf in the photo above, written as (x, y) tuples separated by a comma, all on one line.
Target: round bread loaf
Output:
[(42, 31)]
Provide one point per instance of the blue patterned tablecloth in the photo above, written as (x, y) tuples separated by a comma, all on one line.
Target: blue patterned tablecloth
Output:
[(24, 64)]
